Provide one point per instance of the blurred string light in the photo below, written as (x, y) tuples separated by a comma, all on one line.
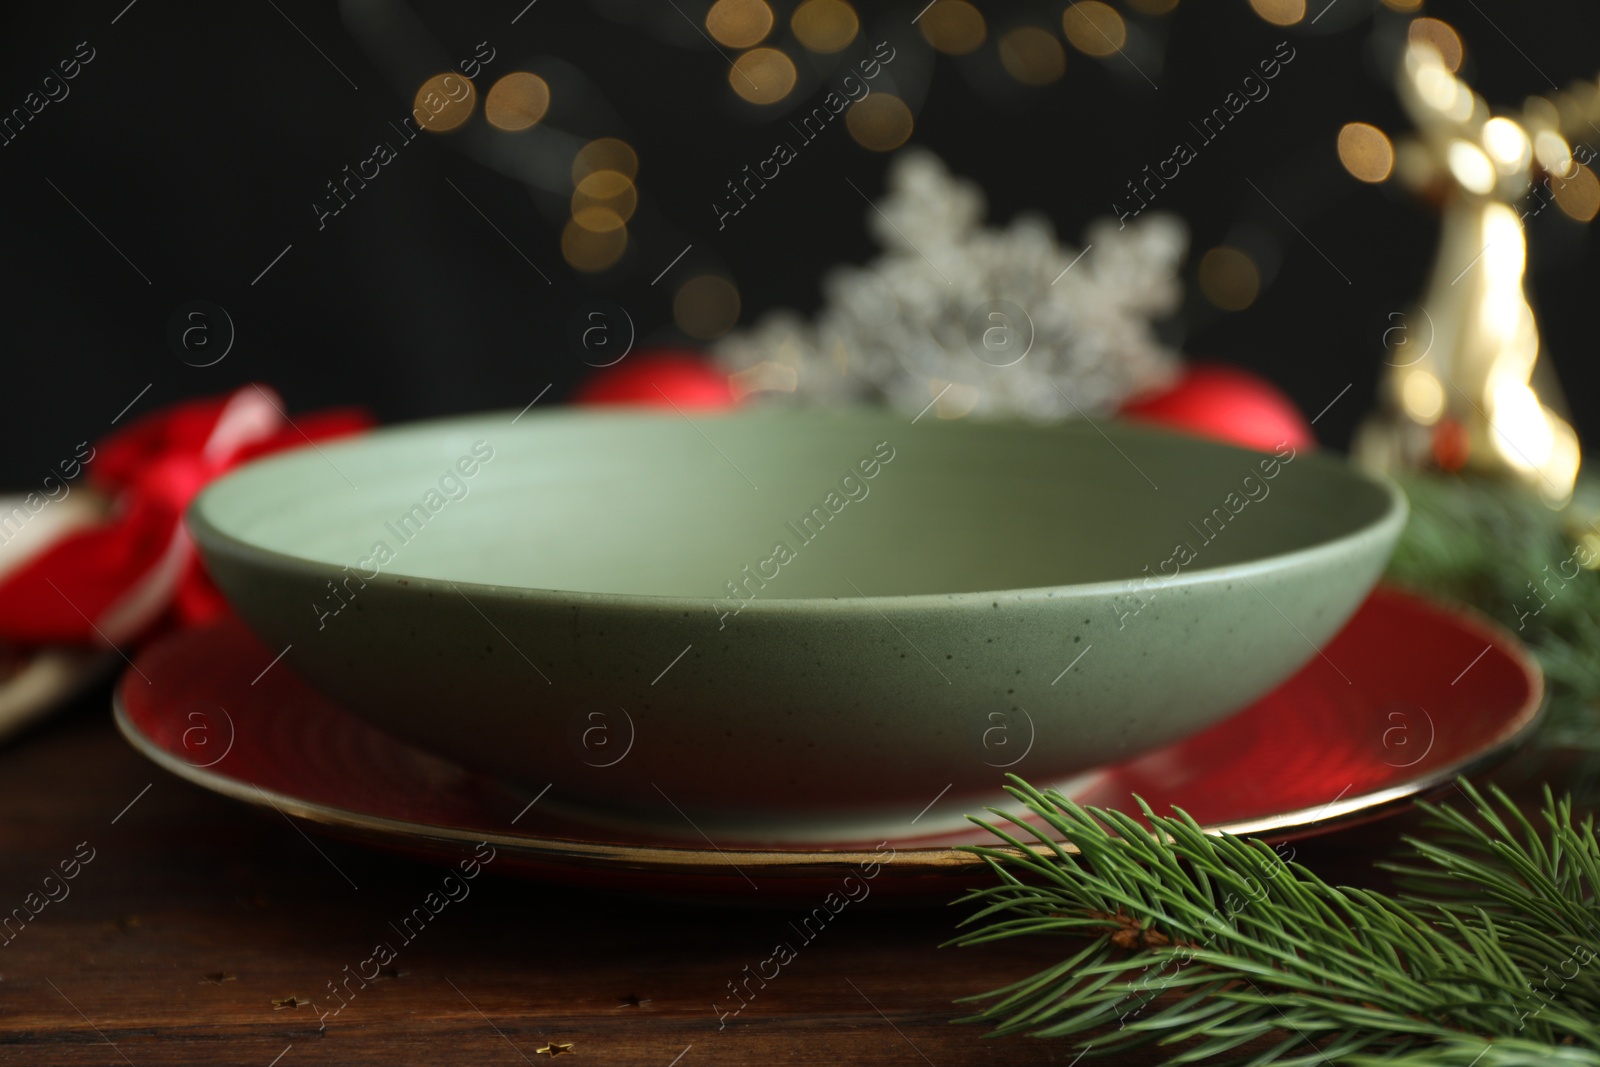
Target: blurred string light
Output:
[(1470, 167), (766, 73), (604, 198), (516, 101), (603, 195), (739, 23), (1551, 151), (763, 75), (590, 180), (1507, 145), (597, 218), (520, 138), (953, 27), (590, 249), (1093, 28), (1032, 55), (706, 306), (881, 122), (605, 153), (444, 102), (1578, 194), (1422, 395), (607, 190), (1365, 152), (825, 26), (1444, 39), (1280, 12), (1229, 278)]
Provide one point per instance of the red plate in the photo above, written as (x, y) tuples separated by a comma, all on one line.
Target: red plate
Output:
[(1408, 695)]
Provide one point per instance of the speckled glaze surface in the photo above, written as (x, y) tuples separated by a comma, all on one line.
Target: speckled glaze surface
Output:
[(797, 625)]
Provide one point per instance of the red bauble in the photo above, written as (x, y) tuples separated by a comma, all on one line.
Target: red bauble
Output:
[(1226, 404), (660, 376)]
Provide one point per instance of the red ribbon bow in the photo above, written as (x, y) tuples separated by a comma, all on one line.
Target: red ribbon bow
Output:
[(112, 581)]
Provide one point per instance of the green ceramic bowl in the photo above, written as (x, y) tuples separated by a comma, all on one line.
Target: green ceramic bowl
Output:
[(792, 626)]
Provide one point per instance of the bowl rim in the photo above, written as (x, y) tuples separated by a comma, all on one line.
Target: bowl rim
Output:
[(210, 538)]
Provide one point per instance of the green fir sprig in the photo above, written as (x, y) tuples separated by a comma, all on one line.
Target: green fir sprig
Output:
[(1207, 944), (1493, 545)]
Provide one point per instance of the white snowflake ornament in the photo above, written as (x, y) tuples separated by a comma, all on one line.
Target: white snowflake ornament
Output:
[(973, 319)]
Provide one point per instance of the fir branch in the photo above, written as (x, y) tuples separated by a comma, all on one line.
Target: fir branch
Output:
[(1206, 943), (1497, 547)]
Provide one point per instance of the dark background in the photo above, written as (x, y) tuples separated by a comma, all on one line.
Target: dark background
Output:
[(201, 134)]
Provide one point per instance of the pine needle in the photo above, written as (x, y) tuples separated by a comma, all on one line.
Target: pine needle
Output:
[(1206, 943), (1497, 548)]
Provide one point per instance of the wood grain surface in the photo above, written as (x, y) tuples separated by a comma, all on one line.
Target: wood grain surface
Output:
[(201, 932)]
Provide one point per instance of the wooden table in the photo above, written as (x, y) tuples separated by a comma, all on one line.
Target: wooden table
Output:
[(205, 933)]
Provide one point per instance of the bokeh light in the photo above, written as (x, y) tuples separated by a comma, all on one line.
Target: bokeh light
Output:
[(1093, 28), (881, 122), (444, 102), (739, 23), (1591, 541), (1552, 152), (1280, 12), (597, 219), (762, 75), (954, 27), (608, 190), (1470, 166), (825, 25), (1422, 396), (1539, 113), (1032, 56), (592, 250), (1365, 151), (1577, 193), (606, 153), (516, 101), (1444, 39), (706, 307), (1229, 278), (1507, 145)]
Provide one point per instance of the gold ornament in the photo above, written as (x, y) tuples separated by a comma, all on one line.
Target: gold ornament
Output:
[(1468, 384)]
